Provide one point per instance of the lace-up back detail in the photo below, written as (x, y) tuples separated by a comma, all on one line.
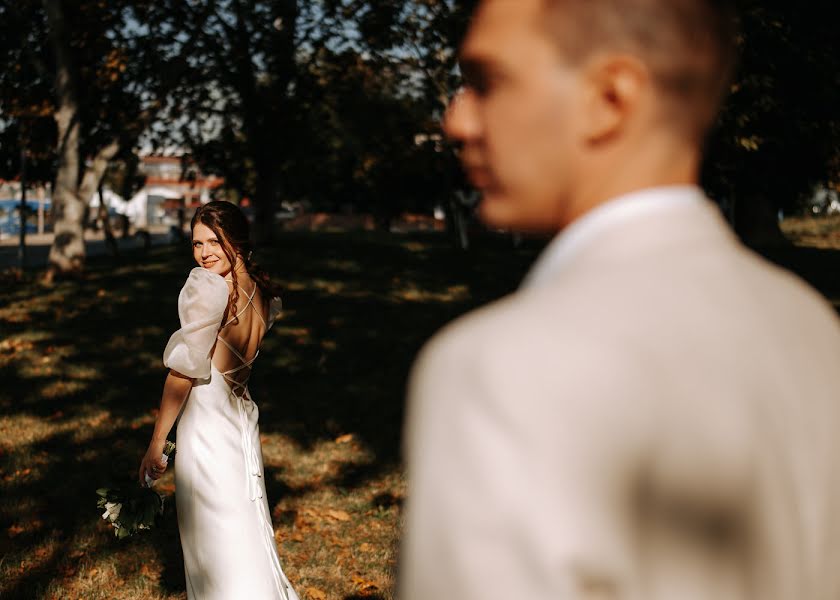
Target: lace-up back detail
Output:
[(240, 337)]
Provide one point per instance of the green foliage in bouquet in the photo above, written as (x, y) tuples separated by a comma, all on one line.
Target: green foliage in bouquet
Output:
[(133, 508), (130, 510)]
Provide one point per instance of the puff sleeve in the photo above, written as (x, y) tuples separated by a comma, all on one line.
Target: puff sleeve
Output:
[(275, 307), (201, 306)]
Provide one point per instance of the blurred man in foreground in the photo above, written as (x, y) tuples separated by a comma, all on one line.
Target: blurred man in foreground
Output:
[(655, 413)]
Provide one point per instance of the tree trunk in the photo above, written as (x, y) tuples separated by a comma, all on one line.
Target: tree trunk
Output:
[(110, 240), (264, 205), (70, 197), (67, 254)]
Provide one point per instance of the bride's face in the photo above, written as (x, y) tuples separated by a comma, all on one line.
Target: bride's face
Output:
[(207, 250)]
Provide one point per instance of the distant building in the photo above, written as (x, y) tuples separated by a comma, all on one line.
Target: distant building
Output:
[(174, 187), (181, 176), (173, 184)]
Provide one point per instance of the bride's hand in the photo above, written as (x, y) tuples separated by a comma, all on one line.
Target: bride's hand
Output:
[(152, 463)]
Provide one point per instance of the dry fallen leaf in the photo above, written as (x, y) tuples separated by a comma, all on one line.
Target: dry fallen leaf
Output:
[(316, 594), (344, 439), (365, 586), (338, 515), (146, 571), (365, 547)]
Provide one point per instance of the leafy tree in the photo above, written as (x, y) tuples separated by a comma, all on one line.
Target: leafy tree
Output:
[(236, 105), (414, 45), (25, 110), (339, 101), (322, 101), (779, 133), (102, 71)]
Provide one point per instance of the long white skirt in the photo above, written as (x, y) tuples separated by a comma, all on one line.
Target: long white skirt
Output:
[(223, 517)]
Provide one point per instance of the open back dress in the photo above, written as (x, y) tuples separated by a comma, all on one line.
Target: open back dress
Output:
[(223, 515)]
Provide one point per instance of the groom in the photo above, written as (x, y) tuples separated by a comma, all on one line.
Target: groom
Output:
[(655, 413)]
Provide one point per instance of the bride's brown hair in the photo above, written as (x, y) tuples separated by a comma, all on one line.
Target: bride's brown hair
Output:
[(234, 233)]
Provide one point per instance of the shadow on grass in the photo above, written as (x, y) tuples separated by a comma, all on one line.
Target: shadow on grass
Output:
[(56, 507), (81, 371), (355, 319)]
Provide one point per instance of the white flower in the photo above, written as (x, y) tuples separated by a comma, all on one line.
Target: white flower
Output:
[(112, 511)]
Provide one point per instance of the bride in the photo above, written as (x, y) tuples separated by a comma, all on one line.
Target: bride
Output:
[(225, 307)]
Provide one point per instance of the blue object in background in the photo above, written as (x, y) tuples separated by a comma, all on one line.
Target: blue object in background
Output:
[(10, 217)]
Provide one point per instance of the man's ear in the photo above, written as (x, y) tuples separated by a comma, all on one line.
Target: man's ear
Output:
[(616, 85)]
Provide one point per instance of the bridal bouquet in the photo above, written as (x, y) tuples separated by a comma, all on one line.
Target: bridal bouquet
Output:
[(132, 509)]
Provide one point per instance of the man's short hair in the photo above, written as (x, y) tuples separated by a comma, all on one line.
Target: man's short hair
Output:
[(688, 45)]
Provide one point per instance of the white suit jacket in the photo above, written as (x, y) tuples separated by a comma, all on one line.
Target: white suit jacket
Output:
[(656, 417)]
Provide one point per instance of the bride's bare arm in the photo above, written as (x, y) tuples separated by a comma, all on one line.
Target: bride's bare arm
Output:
[(175, 391)]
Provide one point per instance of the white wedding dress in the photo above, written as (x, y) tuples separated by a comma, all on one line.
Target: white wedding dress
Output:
[(223, 516)]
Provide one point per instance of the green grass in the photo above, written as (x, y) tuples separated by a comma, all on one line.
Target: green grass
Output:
[(81, 373)]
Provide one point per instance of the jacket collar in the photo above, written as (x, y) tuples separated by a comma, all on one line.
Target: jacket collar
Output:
[(605, 224)]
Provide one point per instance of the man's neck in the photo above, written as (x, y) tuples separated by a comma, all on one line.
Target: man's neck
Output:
[(632, 168)]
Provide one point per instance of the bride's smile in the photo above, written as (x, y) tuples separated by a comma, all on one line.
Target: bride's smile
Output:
[(208, 252)]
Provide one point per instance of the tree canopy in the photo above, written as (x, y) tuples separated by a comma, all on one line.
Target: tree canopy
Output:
[(338, 102)]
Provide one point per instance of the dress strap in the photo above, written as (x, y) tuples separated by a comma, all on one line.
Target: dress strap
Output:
[(260, 316), (244, 308), (234, 350)]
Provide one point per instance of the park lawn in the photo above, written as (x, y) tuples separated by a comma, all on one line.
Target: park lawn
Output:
[(81, 373), (813, 232)]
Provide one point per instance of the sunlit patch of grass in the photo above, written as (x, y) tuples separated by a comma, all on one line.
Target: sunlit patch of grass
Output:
[(83, 372), (813, 232), (347, 266), (414, 246), (59, 389), (455, 293), (17, 315), (19, 429)]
